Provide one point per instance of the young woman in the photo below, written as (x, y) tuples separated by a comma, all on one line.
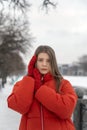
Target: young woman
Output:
[(44, 98)]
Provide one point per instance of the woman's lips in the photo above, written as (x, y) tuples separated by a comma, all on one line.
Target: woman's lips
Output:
[(44, 69)]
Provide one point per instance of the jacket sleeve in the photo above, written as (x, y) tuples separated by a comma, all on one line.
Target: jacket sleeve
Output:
[(21, 97), (62, 104)]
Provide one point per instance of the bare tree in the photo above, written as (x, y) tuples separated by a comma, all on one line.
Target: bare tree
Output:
[(11, 64), (14, 35), (15, 38), (24, 4)]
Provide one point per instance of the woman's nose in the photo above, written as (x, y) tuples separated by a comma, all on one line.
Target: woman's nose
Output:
[(44, 63)]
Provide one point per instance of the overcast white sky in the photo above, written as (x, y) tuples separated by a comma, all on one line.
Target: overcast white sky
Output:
[(64, 29)]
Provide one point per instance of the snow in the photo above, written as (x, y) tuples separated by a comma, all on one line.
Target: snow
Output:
[(77, 81), (9, 119)]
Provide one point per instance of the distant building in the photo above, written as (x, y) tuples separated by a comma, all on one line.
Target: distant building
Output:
[(76, 69), (64, 69), (71, 69)]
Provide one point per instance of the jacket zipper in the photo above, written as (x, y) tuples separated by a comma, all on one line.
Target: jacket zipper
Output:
[(42, 121)]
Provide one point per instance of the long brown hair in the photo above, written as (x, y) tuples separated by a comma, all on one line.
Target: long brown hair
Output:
[(53, 63)]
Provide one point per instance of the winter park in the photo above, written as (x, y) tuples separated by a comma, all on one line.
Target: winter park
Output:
[(25, 25)]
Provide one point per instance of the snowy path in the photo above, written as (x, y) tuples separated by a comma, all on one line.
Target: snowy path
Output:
[(9, 119)]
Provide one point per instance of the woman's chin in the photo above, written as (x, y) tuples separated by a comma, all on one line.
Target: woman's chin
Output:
[(43, 73)]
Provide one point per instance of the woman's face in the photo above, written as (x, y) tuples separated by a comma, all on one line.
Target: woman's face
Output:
[(43, 63)]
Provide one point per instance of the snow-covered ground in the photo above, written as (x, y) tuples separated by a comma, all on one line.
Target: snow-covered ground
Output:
[(9, 119), (77, 81)]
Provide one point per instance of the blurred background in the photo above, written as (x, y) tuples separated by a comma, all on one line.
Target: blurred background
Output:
[(26, 24)]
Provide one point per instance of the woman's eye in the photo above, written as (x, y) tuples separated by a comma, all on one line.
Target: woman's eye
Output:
[(48, 60), (40, 60)]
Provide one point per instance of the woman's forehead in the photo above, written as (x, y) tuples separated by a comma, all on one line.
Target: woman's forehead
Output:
[(43, 54)]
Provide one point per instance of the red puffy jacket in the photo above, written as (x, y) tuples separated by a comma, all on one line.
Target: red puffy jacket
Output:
[(46, 109)]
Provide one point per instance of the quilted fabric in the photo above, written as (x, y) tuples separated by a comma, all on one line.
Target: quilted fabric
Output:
[(46, 109)]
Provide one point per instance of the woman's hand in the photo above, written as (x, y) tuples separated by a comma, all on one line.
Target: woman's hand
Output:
[(31, 65), (38, 78), (47, 77), (34, 72)]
